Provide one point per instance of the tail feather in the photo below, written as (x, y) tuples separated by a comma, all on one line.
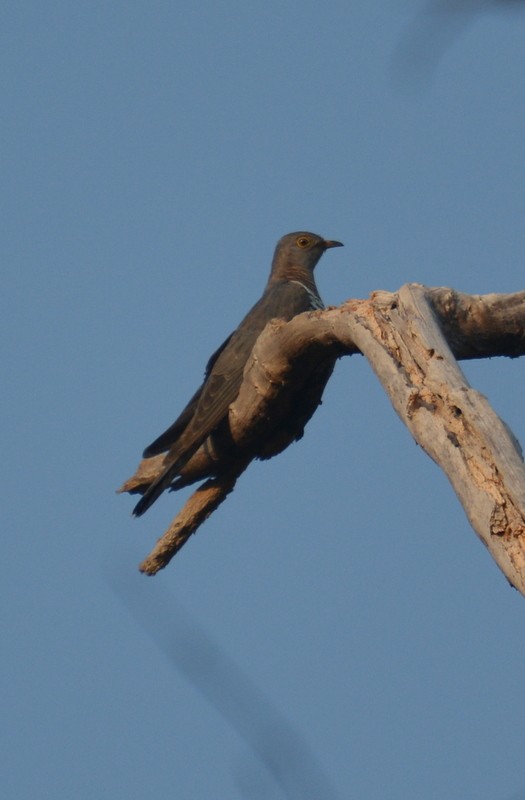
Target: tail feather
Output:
[(164, 480), (152, 494)]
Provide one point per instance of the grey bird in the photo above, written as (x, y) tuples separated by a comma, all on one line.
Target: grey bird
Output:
[(290, 290)]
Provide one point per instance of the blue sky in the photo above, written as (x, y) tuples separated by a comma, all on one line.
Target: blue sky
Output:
[(152, 154)]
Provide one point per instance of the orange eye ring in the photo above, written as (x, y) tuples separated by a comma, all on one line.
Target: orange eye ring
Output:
[(303, 241)]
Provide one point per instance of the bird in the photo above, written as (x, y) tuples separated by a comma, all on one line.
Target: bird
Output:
[(199, 435)]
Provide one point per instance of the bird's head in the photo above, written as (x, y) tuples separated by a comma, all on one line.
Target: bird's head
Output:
[(299, 250)]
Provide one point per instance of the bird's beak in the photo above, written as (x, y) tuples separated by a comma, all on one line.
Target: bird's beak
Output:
[(332, 243)]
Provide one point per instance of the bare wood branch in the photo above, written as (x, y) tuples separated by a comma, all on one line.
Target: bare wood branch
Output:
[(197, 509), (401, 336), (481, 326), (453, 423), (412, 339)]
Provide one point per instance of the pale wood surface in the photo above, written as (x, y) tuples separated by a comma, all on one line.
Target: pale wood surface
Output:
[(412, 339)]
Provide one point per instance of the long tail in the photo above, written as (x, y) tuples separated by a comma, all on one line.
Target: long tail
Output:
[(164, 480), (153, 493)]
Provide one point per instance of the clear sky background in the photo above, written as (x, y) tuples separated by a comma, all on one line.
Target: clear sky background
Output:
[(153, 153)]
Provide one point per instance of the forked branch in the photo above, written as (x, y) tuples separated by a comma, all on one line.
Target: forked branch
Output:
[(412, 339)]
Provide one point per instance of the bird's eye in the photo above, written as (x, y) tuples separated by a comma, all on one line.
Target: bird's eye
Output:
[(303, 241)]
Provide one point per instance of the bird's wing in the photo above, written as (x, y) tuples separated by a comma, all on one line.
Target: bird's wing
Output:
[(282, 300), (167, 439)]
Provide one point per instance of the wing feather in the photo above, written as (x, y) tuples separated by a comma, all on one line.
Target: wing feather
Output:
[(210, 404)]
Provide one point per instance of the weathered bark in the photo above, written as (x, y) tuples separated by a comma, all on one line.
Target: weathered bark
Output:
[(198, 508), (412, 339)]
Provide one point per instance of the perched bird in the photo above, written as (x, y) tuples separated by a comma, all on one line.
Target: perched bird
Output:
[(196, 444)]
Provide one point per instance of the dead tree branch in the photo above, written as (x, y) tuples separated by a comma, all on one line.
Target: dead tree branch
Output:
[(412, 339), (198, 508)]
